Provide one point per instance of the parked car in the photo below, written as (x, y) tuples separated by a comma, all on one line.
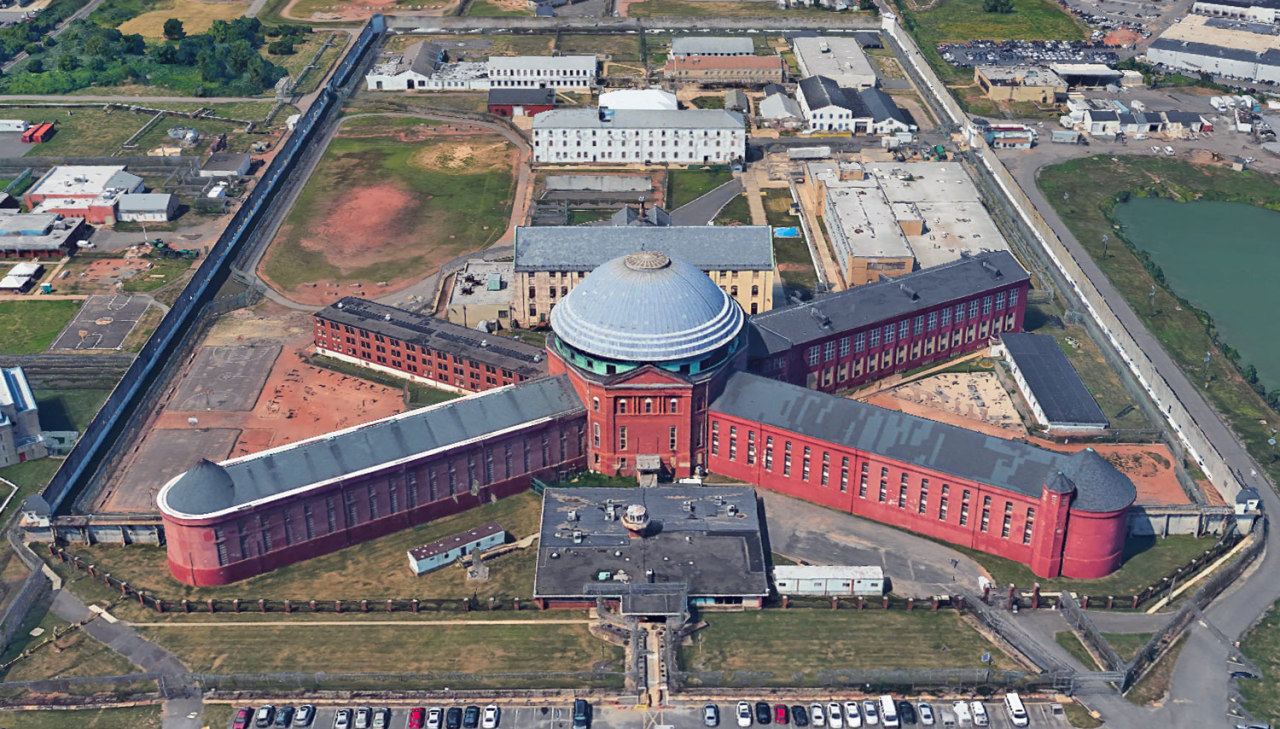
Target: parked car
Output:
[(417, 718), (1242, 674), (364, 716), (471, 717), (799, 716), (342, 719), (835, 717), (979, 713), (243, 717), (434, 716), (926, 713), (453, 718), (852, 714), (780, 714), (284, 717), (306, 714), (581, 714), (870, 712), (963, 717), (1169, 150), (762, 713), (817, 715), (381, 718), (744, 714), (264, 717), (1155, 149), (906, 712), (711, 715), (492, 716)]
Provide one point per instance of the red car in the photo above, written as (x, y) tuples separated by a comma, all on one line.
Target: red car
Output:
[(416, 718), (780, 714), (243, 717)]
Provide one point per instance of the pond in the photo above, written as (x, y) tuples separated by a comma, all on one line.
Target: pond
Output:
[(1224, 258)]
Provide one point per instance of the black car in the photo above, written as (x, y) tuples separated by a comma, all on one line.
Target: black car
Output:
[(763, 713), (581, 714), (471, 718), (284, 716), (799, 715), (906, 712), (453, 718), (1242, 674)]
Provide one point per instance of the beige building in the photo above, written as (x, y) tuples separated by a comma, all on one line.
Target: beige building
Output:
[(551, 260), (737, 70), (481, 295), (1036, 84)]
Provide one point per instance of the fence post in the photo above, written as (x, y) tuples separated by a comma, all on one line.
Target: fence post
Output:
[(92, 569), (861, 603), (364, 606), (1084, 602), (935, 602), (1035, 595), (414, 604), (784, 602), (288, 606), (186, 605), (262, 605), (515, 604), (911, 604), (835, 603), (337, 606), (884, 602), (209, 603), (1135, 602), (124, 588), (312, 604), (1110, 602), (159, 604), (389, 608), (466, 605), (235, 605)]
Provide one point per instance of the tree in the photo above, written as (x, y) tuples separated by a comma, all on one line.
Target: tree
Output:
[(36, 66), (173, 29), (165, 54), (280, 48), (68, 62), (997, 6)]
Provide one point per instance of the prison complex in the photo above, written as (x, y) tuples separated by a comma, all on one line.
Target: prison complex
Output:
[(647, 375)]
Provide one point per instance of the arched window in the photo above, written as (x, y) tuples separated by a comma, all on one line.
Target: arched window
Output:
[(648, 405)]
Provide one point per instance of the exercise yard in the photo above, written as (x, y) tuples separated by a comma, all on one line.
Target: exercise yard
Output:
[(801, 643), (391, 200)]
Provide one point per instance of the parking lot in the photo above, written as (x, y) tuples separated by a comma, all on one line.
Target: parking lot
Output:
[(685, 715), (1014, 53)]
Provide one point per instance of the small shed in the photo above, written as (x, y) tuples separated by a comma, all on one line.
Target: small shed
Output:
[(735, 100), (149, 207), (1058, 398), (227, 164), (828, 580), (438, 554), (521, 102)]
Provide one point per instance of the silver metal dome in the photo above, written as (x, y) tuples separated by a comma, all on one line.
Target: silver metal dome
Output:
[(646, 307)]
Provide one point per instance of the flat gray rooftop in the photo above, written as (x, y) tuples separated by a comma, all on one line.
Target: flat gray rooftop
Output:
[(584, 248)]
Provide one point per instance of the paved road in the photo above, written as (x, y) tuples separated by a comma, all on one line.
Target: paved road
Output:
[(703, 210), (801, 530)]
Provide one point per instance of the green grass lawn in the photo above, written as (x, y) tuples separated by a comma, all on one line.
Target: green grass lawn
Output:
[(1072, 645), (777, 208), (163, 271), (1146, 560), (1079, 717), (1127, 645), (29, 477), (29, 327), (1262, 646), (137, 717), (736, 212), (443, 197), (800, 643), (374, 570), (1091, 185), (688, 185), (98, 132), (73, 654), (721, 9), (484, 8), (356, 648), (69, 409), (708, 102), (618, 48), (1155, 684)]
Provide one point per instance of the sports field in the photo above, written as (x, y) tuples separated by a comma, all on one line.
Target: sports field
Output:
[(392, 199), (196, 15)]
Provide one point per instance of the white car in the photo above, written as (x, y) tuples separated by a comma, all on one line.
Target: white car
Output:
[(434, 715), (979, 713), (834, 718), (492, 715), (342, 719), (852, 714), (1155, 149), (744, 714), (962, 713), (817, 717), (870, 712), (926, 713), (1169, 150)]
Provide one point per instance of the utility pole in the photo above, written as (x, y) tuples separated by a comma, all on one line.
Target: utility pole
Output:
[(1207, 356), (1153, 299), (1104, 246)]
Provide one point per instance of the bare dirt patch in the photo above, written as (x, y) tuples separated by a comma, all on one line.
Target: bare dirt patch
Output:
[(452, 157), (343, 237)]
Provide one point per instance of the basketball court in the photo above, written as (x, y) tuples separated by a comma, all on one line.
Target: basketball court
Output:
[(103, 322)]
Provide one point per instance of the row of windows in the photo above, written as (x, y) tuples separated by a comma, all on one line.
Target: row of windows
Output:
[(362, 337), (673, 438), (900, 499), (541, 72), (637, 406)]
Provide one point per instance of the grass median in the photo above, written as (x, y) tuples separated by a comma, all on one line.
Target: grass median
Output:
[(1262, 646)]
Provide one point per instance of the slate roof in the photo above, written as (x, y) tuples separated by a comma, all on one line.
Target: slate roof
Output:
[(1007, 464), (713, 46), (427, 58), (583, 248), (1053, 381), (781, 329), (1103, 116), (1270, 57), (1183, 117), (144, 202), (210, 487), (820, 92), (882, 106), (436, 334), (517, 97)]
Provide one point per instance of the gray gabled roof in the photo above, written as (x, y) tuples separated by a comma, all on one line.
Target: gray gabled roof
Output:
[(1053, 381), (427, 58), (820, 92), (522, 96), (209, 487), (583, 248), (144, 202), (1018, 467), (1183, 117), (781, 329), (1103, 116), (882, 106), (713, 46)]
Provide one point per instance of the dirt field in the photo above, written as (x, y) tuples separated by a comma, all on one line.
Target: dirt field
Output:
[(978, 402), (196, 16), (334, 10), (439, 192), (288, 402)]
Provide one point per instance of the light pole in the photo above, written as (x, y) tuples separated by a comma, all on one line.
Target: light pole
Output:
[(1153, 299), (1207, 356), (1104, 246)]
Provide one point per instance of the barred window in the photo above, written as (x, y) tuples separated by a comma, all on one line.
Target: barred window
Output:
[(844, 346)]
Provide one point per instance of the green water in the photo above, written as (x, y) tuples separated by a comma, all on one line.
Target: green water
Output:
[(1225, 259)]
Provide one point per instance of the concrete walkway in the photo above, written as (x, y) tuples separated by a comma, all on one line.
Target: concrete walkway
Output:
[(703, 210)]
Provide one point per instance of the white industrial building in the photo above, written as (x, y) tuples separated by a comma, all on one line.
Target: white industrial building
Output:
[(718, 46), (20, 438), (152, 207), (1059, 400), (691, 136), (838, 58), (1257, 11), (412, 70), (542, 72), (829, 108), (1199, 44), (21, 278), (828, 580), (650, 99), (446, 551), (779, 108)]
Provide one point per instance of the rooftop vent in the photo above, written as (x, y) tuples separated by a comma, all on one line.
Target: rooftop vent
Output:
[(823, 320), (995, 272), (910, 292)]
